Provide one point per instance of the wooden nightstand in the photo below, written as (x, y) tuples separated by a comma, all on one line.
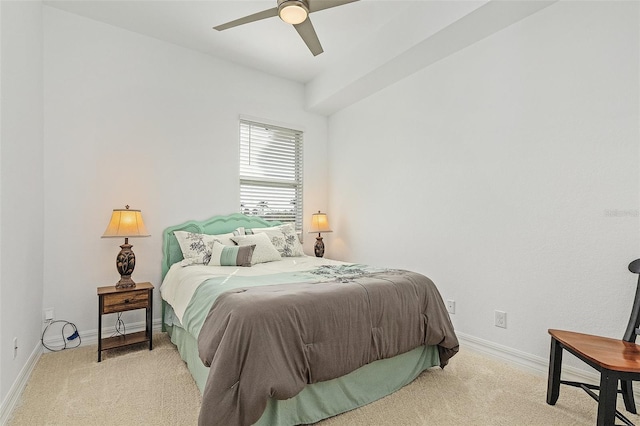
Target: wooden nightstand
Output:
[(112, 300)]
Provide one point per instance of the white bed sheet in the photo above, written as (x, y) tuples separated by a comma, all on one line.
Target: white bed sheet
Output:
[(181, 282)]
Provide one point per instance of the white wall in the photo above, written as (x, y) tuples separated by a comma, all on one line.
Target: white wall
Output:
[(508, 170), (133, 120), (508, 173), (2, 394), (21, 186)]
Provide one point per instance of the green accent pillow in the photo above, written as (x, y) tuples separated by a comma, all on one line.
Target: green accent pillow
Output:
[(222, 255)]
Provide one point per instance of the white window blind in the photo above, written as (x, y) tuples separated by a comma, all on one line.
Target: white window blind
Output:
[(271, 172)]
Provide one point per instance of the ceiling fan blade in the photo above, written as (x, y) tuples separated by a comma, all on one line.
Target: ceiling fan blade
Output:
[(309, 36), (269, 13), (316, 5)]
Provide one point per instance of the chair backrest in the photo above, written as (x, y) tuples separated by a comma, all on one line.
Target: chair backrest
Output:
[(634, 319)]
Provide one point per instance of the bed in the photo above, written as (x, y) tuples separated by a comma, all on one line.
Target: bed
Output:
[(252, 369)]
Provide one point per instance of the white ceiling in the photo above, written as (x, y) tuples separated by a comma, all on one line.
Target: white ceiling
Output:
[(361, 40), (269, 45)]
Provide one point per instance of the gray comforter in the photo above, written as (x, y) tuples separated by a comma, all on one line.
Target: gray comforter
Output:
[(270, 341)]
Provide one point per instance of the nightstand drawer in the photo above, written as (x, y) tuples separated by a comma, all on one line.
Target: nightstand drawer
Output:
[(124, 301)]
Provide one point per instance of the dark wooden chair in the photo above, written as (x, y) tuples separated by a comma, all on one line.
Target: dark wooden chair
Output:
[(616, 360)]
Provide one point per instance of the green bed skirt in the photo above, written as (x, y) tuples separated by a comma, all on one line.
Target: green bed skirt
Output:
[(325, 399)]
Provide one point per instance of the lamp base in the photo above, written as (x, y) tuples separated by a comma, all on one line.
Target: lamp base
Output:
[(125, 282), (125, 264), (319, 247)]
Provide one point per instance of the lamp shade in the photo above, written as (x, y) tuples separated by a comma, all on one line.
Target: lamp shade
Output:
[(319, 223), (125, 223)]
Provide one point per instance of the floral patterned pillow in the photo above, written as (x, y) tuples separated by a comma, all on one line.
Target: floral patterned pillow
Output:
[(283, 237), (196, 248)]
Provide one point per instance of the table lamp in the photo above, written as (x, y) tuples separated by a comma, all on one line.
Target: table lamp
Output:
[(319, 223), (128, 224)]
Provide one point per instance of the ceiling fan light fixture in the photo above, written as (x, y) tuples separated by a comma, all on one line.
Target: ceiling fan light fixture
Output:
[(293, 11)]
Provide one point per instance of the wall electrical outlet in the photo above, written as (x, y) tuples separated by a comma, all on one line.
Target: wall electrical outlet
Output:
[(451, 306), (48, 314), (501, 319)]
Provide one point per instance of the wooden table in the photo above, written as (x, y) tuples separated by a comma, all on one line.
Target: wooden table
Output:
[(113, 300)]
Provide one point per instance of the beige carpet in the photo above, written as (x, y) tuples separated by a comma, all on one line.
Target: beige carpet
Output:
[(129, 387), (141, 387)]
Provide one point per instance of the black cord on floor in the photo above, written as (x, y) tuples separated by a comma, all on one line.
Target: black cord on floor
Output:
[(71, 337), (120, 328)]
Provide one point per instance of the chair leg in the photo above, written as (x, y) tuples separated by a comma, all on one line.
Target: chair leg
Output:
[(627, 395), (607, 398), (555, 368)]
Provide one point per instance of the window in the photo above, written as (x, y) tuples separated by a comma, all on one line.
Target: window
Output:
[(271, 172)]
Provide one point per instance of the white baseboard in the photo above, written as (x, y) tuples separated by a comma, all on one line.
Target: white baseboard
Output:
[(90, 337), (18, 386), (531, 363), (534, 364)]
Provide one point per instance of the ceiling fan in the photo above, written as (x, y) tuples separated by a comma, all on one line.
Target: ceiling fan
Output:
[(296, 13)]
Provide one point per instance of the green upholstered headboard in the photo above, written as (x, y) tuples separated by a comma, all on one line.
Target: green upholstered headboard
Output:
[(171, 252)]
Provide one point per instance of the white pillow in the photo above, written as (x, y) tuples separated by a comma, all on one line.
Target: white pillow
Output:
[(264, 251), (240, 231), (225, 239), (196, 248), (283, 237)]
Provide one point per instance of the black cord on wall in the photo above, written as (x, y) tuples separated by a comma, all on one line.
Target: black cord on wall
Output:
[(70, 338)]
